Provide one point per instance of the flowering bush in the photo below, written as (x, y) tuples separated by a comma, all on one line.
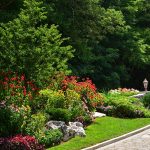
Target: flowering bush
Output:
[(15, 89), (124, 91), (85, 88), (20, 142)]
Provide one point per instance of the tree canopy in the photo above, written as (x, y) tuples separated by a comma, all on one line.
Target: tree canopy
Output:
[(111, 38), (29, 46)]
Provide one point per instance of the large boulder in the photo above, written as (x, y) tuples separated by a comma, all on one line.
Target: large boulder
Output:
[(70, 131), (77, 127)]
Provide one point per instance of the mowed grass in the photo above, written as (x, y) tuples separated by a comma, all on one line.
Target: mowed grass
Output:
[(101, 130)]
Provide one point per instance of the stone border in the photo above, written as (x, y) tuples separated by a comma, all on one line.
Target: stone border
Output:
[(100, 145)]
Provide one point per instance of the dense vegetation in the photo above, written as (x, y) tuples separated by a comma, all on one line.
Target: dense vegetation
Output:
[(111, 38), (50, 51)]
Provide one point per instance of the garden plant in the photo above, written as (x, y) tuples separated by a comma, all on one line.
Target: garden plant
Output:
[(55, 59)]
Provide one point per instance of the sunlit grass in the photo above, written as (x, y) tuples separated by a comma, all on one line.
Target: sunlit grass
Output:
[(103, 129)]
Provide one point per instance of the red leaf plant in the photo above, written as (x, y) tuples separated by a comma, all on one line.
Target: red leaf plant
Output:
[(20, 142)]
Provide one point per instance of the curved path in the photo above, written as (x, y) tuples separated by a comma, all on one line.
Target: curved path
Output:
[(140, 141)]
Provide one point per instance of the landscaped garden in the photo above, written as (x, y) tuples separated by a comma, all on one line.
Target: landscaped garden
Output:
[(103, 129), (27, 111), (46, 102)]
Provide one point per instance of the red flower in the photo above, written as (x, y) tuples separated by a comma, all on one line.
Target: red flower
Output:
[(22, 77), (12, 86), (4, 83), (6, 79), (13, 79)]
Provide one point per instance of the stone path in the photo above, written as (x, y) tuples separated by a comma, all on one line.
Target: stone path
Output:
[(139, 141)]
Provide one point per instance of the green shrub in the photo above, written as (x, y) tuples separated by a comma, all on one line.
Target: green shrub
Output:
[(72, 98), (74, 104), (38, 103), (36, 127), (12, 119), (50, 137), (87, 120), (108, 110), (55, 99), (146, 100), (126, 107), (76, 111), (5, 118), (38, 49), (59, 114), (35, 124)]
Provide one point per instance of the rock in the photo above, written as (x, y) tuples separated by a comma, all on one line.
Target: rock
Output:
[(98, 115), (78, 124), (74, 128), (79, 131), (77, 127), (55, 124), (68, 133)]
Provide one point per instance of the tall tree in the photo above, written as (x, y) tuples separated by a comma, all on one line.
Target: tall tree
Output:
[(29, 46), (88, 25)]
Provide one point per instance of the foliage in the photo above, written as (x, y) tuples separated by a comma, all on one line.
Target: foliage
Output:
[(35, 124), (29, 46), (85, 88), (50, 137), (55, 99), (72, 98), (67, 104), (59, 114), (74, 104), (112, 43), (111, 37), (133, 45), (12, 119), (108, 110), (21, 143), (146, 100), (92, 26), (126, 107), (87, 120), (9, 9)]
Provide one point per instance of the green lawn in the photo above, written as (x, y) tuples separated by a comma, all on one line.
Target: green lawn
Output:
[(103, 129)]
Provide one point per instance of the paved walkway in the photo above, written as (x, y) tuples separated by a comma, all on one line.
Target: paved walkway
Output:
[(139, 141)]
